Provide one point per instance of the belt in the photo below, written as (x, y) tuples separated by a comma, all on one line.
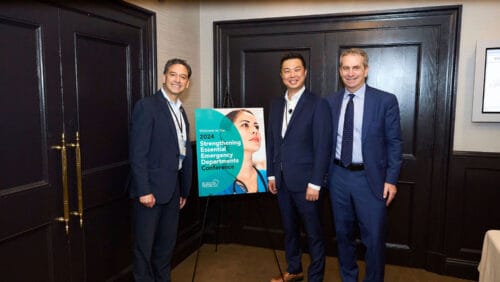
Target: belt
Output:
[(352, 166)]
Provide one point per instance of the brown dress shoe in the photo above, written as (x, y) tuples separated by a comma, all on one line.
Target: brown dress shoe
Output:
[(288, 277)]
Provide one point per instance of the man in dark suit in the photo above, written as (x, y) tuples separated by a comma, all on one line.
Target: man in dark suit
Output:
[(161, 168), (365, 164), (298, 150)]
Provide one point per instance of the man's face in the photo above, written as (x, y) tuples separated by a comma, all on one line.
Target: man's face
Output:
[(353, 72), (176, 79), (293, 74)]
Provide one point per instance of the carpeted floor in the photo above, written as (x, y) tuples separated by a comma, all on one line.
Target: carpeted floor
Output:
[(243, 263)]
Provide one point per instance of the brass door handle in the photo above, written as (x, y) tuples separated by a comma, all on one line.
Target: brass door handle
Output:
[(78, 154), (64, 173)]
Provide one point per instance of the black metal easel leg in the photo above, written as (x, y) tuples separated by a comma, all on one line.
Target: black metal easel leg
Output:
[(201, 239), (217, 223)]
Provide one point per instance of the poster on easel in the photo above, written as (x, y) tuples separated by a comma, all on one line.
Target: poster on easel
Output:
[(231, 151)]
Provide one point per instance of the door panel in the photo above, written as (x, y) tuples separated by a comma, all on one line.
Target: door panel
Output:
[(255, 66), (31, 248), (68, 68), (102, 87), (101, 80), (30, 123)]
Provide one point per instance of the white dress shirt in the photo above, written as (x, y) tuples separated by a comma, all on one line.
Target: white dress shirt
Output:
[(290, 105), (180, 125)]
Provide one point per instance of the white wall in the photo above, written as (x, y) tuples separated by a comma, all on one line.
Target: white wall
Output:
[(480, 21), (178, 35)]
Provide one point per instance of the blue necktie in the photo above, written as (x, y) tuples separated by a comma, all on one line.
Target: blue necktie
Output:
[(347, 135)]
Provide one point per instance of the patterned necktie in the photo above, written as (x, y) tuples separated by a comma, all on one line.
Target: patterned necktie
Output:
[(347, 135)]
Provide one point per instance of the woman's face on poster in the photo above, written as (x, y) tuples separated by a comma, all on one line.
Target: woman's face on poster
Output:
[(248, 127)]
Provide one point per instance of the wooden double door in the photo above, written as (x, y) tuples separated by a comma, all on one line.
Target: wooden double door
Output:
[(69, 75), (412, 54)]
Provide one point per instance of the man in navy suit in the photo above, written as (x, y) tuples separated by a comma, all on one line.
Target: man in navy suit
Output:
[(298, 150), (365, 164), (161, 168)]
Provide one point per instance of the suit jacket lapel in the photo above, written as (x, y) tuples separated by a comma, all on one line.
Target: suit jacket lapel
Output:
[(368, 111), (186, 122), (279, 116), (336, 106), (163, 108)]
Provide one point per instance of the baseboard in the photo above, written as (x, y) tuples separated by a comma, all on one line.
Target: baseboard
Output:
[(462, 268)]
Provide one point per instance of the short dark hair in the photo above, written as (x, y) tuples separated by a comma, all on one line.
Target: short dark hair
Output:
[(289, 56), (177, 61)]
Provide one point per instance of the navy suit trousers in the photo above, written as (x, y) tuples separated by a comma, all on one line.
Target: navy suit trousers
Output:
[(295, 208), (155, 230), (353, 203)]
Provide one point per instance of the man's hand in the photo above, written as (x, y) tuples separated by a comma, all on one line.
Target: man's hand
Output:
[(182, 202), (390, 191), (312, 194), (271, 184), (147, 200)]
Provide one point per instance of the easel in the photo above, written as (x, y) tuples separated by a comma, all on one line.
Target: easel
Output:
[(228, 103), (203, 225)]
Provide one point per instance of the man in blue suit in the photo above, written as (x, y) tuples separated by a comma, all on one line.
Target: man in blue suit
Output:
[(161, 168), (365, 164), (298, 150)]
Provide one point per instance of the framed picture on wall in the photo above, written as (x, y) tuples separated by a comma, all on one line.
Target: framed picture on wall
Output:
[(486, 103)]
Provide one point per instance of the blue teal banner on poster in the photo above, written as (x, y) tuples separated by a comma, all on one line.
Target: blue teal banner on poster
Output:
[(231, 151)]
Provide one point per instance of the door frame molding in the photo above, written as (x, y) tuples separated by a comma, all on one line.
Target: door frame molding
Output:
[(136, 16)]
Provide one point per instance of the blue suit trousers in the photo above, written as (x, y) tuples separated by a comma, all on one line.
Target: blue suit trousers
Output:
[(295, 209), (353, 203)]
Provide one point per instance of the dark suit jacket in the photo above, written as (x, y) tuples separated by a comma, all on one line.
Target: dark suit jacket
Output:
[(303, 154), (381, 136), (154, 151)]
